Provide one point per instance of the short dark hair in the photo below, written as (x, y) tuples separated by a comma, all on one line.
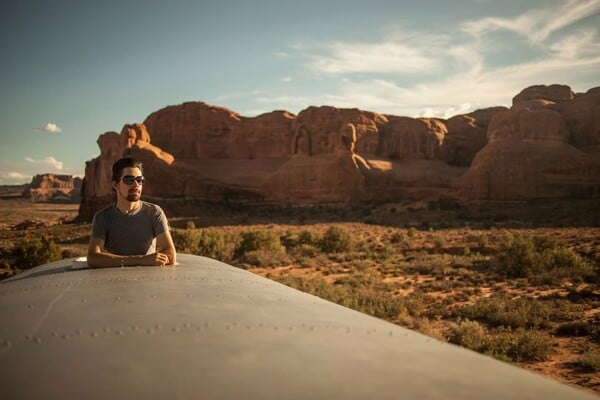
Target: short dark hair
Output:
[(121, 164)]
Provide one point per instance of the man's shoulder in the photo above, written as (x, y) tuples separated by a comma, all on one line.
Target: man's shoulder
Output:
[(151, 208), (109, 209)]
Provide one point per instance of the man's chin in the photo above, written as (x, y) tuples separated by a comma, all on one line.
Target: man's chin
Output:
[(133, 197)]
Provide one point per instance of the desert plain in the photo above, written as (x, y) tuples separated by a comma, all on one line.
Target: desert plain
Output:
[(520, 282)]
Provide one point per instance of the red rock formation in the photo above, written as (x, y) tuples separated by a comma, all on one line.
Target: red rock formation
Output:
[(405, 138), (198, 131), (317, 130), (467, 134), (528, 154), (546, 145), (52, 187)]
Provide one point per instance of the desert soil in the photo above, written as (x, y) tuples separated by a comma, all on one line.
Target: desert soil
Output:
[(22, 219)]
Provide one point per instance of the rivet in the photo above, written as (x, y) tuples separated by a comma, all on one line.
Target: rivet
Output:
[(117, 298), (83, 300), (107, 330), (175, 330), (54, 334), (65, 337), (38, 340), (134, 328), (8, 343), (94, 334), (120, 332), (158, 326), (79, 332), (29, 337), (30, 306)]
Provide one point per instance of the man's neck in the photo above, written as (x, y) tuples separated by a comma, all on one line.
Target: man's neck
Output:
[(127, 207)]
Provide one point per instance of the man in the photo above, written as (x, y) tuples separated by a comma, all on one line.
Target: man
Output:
[(130, 232)]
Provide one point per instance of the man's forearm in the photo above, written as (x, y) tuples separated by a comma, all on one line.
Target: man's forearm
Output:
[(100, 260)]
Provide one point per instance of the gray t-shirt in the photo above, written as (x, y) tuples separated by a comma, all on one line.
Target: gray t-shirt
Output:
[(130, 234)]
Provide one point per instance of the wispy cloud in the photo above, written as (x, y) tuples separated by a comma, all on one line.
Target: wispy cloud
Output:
[(286, 79), (50, 127), (13, 178), (444, 74), (537, 25), (386, 57), (50, 162)]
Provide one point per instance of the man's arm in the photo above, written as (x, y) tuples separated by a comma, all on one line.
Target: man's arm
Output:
[(165, 245), (98, 258)]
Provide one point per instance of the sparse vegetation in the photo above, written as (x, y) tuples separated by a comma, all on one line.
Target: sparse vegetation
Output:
[(511, 292), (33, 252)]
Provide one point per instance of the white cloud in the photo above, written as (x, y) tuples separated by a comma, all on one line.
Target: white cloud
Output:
[(286, 79), (537, 25), (582, 43), (50, 127), (14, 178), (50, 162), (385, 57)]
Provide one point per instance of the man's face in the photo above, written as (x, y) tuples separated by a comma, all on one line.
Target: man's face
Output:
[(131, 192)]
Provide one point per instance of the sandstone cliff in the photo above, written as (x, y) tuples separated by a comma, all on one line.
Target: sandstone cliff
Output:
[(546, 145), (52, 187)]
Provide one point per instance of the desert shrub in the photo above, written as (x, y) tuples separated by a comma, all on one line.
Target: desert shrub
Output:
[(519, 345), (33, 252), (186, 240), (364, 299), (513, 313), (469, 334), (265, 258), (589, 361), (574, 328), (336, 240), (258, 240), (540, 259), (214, 244)]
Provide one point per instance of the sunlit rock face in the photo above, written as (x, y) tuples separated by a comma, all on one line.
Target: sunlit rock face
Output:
[(543, 147), (546, 145), (52, 188)]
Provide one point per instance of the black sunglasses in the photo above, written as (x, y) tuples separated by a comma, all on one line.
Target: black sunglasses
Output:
[(129, 179)]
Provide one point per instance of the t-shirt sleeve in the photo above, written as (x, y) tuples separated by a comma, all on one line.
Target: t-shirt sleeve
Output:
[(99, 226), (161, 224)]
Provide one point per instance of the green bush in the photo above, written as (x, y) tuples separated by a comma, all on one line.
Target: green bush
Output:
[(589, 362), (540, 259), (33, 252), (336, 240), (513, 313), (186, 240), (469, 334), (519, 345), (213, 244), (368, 300), (258, 240)]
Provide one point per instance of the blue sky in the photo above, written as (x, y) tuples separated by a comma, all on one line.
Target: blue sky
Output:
[(72, 70)]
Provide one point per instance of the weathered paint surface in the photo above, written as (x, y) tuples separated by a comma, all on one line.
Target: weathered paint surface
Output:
[(208, 330)]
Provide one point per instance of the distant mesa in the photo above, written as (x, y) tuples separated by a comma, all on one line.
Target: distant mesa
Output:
[(546, 145), (53, 188)]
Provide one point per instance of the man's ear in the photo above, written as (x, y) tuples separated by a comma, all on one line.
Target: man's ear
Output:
[(114, 185)]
